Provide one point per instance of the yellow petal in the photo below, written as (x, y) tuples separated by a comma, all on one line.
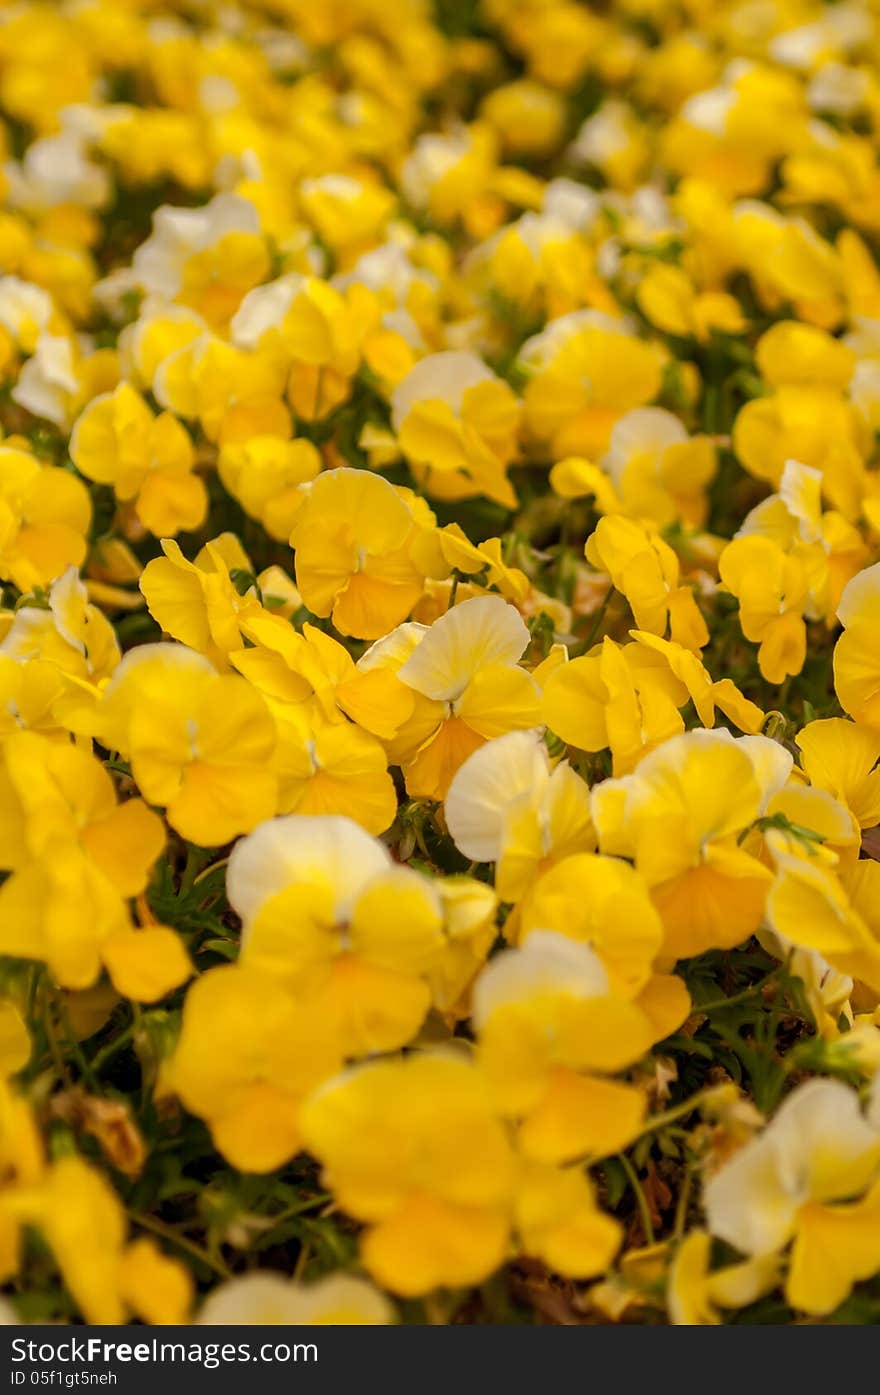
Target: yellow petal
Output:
[(145, 965)]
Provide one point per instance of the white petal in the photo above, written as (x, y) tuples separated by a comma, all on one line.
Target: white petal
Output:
[(546, 963), (483, 789), (747, 1203), (302, 848), (445, 375), (262, 309), (482, 631), (771, 763)]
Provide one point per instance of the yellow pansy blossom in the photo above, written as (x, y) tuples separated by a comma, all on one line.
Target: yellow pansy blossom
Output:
[(197, 602), (695, 1292), (842, 758), (549, 1031), (264, 473), (45, 513), (325, 910), (148, 460), (354, 539), (198, 741), (809, 1178), (414, 1149), (618, 698), (456, 423), (585, 371), (275, 1048), (856, 668), (465, 665), (679, 816), (333, 768), (76, 857), (506, 804)]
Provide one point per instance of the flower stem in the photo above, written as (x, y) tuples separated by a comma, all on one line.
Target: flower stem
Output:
[(641, 1200)]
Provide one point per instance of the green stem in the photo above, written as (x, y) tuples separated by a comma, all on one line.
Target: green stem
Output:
[(112, 1047), (212, 867), (299, 1209), (746, 993), (173, 1237), (641, 1199), (600, 616), (669, 1116), (681, 1209)]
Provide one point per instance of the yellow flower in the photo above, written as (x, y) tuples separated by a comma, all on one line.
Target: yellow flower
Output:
[(414, 1149), (248, 1052), (264, 474), (203, 258), (325, 910), (347, 213), (84, 1225), (354, 537), (311, 332), (613, 140), (806, 416), (447, 175), (695, 1292), (704, 693), (158, 332), (549, 1030), (148, 460), (233, 393), (23, 1161), (646, 571), (76, 857), (830, 549), (856, 667), (601, 902), (197, 602), (659, 471), (215, 279), (771, 587), (544, 261), (333, 768), (65, 655), (159, 1289), (45, 514), (558, 1221), (669, 299), (835, 914), (29, 691), (809, 1178), (585, 371), (469, 909), (198, 741), (487, 559), (457, 423), (530, 118), (841, 757), (465, 665), (507, 805), (617, 698), (313, 671), (679, 816)]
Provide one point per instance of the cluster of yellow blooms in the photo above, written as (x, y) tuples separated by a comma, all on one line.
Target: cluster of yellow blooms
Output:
[(439, 660)]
